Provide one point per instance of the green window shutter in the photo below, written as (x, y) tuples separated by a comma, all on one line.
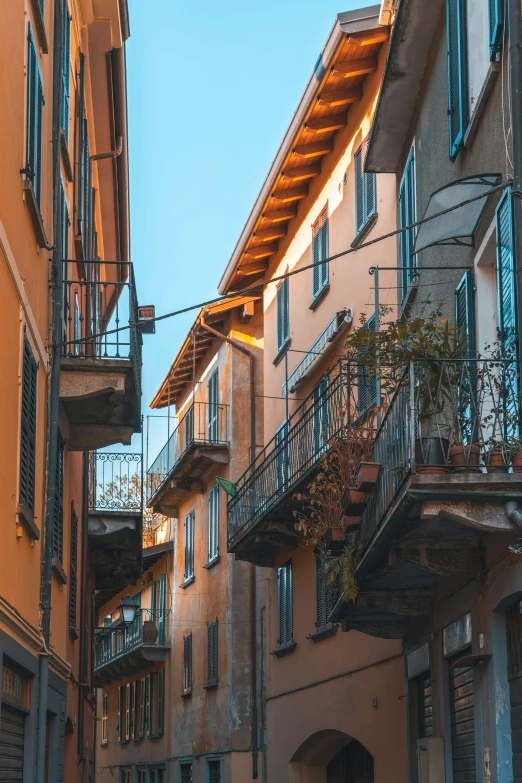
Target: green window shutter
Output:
[(458, 104), (64, 119), (120, 713), (58, 502), (81, 113), (28, 428), (320, 252), (73, 564), (464, 312), (213, 407), (496, 26), (86, 191), (320, 593), (284, 576), (212, 653), (321, 414), (162, 608), (34, 130), (370, 195), (187, 664), (367, 382), (281, 459), (141, 726), (407, 216), (283, 314), (146, 720), (161, 701), (213, 524), (133, 696), (189, 545), (153, 593), (359, 190)]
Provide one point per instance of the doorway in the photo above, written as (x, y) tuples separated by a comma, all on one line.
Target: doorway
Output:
[(352, 764)]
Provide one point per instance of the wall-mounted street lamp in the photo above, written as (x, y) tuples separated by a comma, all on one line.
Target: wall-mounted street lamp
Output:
[(123, 617)]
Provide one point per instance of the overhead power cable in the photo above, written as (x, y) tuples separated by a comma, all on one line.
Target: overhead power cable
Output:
[(256, 287)]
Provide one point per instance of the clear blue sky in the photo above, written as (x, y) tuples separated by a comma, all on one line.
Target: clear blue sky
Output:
[(212, 88)]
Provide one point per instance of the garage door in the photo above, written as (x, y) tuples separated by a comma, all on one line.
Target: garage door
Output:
[(514, 646), (462, 706), (11, 745)]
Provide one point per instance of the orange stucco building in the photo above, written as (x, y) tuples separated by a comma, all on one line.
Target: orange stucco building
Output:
[(63, 208)]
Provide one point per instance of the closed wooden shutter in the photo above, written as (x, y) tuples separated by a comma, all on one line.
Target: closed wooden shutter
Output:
[(321, 415), (514, 651), (365, 191), (462, 708), (496, 26), (407, 215), (213, 407), (324, 595), (458, 102), (187, 664), (58, 502), (73, 564), (11, 745), (65, 70), (189, 545), (284, 578), (212, 653), (162, 608), (367, 381), (213, 524), (464, 312), (161, 701), (35, 104), (283, 314), (28, 429), (281, 456), (320, 242), (425, 706), (189, 428)]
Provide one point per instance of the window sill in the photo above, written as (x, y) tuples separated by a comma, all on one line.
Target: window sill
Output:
[(104, 744), (73, 634), (187, 582), (282, 352), (123, 742), (478, 111), (36, 215), (210, 686), (59, 572), (66, 158), (282, 651), (187, 694), (324, 633), (213, 562), (320, 296), (27, 520), (39, 25), (365, 230)]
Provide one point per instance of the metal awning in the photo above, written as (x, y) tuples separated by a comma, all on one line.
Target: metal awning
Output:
[(455, 227)]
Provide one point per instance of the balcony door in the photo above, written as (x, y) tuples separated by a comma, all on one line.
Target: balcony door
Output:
[(281, 457), (320, 416), (514, 651), (213, 407)]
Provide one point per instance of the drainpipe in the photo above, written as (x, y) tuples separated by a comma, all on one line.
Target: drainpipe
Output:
[(83, 628), (514, 514), (54, 401), (515, 73), (253, 591)]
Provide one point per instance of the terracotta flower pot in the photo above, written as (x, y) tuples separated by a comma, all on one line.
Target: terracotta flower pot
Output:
[(497, 462), (465, 459), (516, 461), (149, 632), (367, 475), (355, 502), (430, 455)]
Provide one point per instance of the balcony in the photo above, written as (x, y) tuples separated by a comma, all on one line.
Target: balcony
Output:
[(115, 518), (100, 378), (260, 515), (120, 652), (450, 454), (199, 442)]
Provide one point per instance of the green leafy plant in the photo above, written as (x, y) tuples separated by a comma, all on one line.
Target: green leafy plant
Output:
[(341, 571)]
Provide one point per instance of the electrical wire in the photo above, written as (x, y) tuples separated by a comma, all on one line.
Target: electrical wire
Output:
[(258, 287)]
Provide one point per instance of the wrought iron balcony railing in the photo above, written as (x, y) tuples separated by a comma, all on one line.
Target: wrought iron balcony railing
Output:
[(295, 450), (96, 306), (445, 416), (115, 481), (204, 423), (148, 629)]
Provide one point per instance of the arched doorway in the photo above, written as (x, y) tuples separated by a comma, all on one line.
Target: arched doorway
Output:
[(352, 764)]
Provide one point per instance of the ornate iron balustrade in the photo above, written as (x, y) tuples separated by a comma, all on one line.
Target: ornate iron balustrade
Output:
[(203, 423), (96, 306), (295, 450), (115, 481), (113, 642), (447, 414)]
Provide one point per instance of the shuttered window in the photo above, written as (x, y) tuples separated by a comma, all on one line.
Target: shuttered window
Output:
[(58, 502), (133, 709), (186, 773), (105, 719), (162, 608), (365, 191), (148, 705), (321, 415), (83, 200), (320, 253), (214, 771), (425, 705), (458, 99), (64, 115), (12, 733), (213, 524), (121, 713), (65, 222), (28, 429), (496, 26), (213, 407), (366, 379), (189, 545), (73, 566), (283, 314), (281, 456), (284, 602), (187, 664), (323, 594), (407, 216), (141, 721), (464, 312), (161, 701), (34, 129), (212, 653)]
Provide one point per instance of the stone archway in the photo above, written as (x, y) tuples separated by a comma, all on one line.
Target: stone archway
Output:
[(331, 756)]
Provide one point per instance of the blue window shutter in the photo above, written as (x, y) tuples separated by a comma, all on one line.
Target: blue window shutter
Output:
[(288, 607), (458, 107), (162, 608), (213, 407), (370, 195), (281, 460), (496, 26), (153, 601), (316, 281), (286, 309), (321, 415), (359, 190), (281, 603), (81, 127), (320, 249), (34, 130), (367, 382), (407, 216), (65, 70), (284, 576), (464, 312), (323, 270)]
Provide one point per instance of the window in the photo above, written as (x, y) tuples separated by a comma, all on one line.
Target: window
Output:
[(141, 721), (28, 430), (141, 775), (121, 714), (126, 776), (133, 704), (187, 665), (213, 407), (189, 546), (407, 218), (77, 326), (464, 312), (128, 711), (65, 222), (58, 503), (35, 104), (321, 415), (367, 380), (324, 595), (162, 608), (365, 191), (214, 771), (64, 118), (320, 253), (281, 445), (73, 565), (213, 524), (284, 602), (283, 314), (157, 775), (212, 654), (161, 701), (148, 704), (458, 101), (83, 201), (185, 773), (105, 719)]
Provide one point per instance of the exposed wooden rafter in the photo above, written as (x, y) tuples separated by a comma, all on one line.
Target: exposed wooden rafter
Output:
[(268, 234), (291, 194), (355, 67), (302, 172), (340, 97), (325, 124), (261, 251), (369, 37), (315, 149), (252, 269), (277, 215)]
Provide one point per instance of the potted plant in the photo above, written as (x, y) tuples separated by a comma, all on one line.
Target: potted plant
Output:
[(149, 632), (367, 475), (496, 457), (515, 450)]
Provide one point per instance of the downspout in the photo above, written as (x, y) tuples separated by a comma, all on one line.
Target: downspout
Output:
[(54, 400), (253, 591), (515, 74), (84, 631)]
